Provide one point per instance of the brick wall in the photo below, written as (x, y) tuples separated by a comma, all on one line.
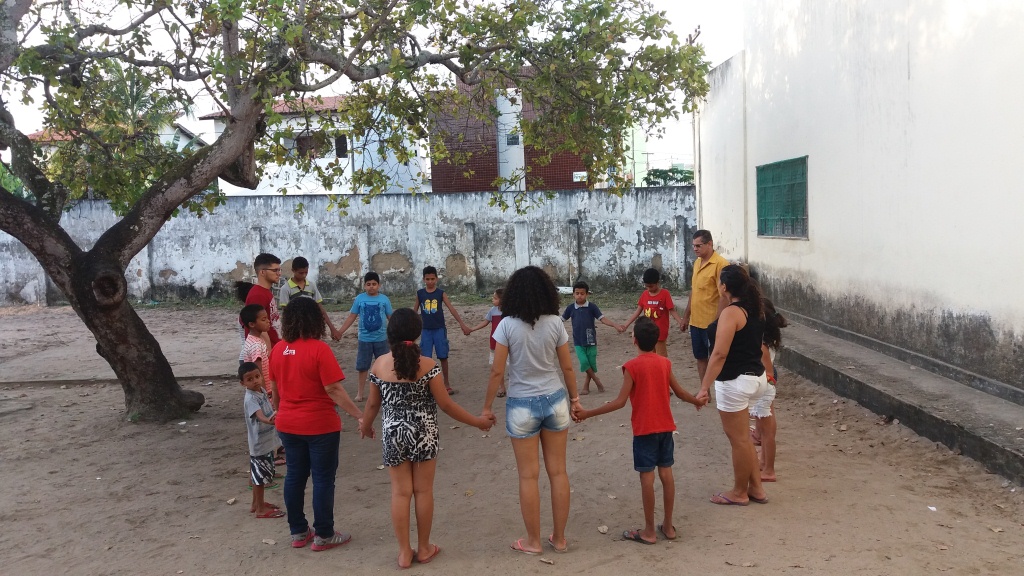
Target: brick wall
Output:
[(557, 175)]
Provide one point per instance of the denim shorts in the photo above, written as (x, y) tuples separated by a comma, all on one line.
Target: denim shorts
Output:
[(652, 451), (525, 417), (700, 343), (367, 352), (432, 341)]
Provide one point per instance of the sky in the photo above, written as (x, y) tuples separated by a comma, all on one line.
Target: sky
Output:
[(721, 33), (720, 24)]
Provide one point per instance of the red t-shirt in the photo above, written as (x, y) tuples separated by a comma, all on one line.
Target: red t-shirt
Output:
[(301, 369), (650, 395), (656, 308), (263, 297)]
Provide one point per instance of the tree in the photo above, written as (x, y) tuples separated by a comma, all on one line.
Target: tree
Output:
[(595, 68), (672, 176)]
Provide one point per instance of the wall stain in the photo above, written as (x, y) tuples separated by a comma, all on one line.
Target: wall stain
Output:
[(456, 267), (972, 342), (390, 263)]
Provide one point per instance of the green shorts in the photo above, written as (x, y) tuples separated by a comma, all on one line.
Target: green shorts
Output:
[(587, 355)]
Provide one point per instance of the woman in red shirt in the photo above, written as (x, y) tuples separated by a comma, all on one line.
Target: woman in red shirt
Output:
[(305, 379)]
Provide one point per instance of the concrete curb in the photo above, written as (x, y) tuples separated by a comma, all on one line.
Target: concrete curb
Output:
[(967, 421)]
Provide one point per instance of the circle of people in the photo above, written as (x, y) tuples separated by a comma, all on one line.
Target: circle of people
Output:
[(294, 382)]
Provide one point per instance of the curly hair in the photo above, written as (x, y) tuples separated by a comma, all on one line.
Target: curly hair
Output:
[(404, 328), (737, 281), (302, 319), (773, 324), (529, 294), (242, 289)]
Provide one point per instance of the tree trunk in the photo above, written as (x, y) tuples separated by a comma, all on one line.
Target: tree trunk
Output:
[(97, 291)]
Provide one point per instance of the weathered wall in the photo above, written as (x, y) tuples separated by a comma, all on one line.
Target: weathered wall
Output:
[(577, 234), (910, 124)]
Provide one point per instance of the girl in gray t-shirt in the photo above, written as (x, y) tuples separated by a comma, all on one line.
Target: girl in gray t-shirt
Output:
[(532, 342)]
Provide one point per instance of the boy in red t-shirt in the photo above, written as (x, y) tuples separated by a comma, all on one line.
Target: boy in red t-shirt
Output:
[(646, 382), (656, 303)]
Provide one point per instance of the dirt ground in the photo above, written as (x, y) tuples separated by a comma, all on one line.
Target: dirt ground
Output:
[(87, 492)]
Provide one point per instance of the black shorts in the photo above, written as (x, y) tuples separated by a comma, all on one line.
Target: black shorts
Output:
[(652, 451)]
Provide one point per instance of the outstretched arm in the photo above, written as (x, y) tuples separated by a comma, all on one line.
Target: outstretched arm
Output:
[(335, 334), (682, 394), (619, 402), (453, 409), (370, 413), (352, 317), (455, 313), (639, 311), (337, 393)]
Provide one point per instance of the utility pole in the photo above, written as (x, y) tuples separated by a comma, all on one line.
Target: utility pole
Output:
[(648, 159)]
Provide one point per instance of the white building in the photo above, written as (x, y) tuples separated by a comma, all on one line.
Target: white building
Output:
[(329, 145), (865, 158)]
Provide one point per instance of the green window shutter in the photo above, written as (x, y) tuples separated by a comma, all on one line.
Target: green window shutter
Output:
[(782, 199)]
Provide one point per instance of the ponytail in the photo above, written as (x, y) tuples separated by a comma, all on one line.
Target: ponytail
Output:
[(407, 359), (773, 324)]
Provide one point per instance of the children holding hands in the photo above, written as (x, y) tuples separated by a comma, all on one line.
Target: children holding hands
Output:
[(646, 383)]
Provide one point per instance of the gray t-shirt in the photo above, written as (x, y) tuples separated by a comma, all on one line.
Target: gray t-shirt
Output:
[(262, 437), (532, 368)]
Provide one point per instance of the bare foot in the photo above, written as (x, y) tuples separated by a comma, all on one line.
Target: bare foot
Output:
[(768, 477), (584, 392), (405, 558), (360, 399), (600, 389)]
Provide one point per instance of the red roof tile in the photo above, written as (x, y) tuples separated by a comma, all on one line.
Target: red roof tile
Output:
[(309, 103)]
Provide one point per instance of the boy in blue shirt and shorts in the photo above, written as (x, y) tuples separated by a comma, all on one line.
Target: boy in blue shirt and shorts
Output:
[(373, 310)]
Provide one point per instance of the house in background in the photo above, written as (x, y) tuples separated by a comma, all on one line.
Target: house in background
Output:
[(327, 145), (864, 159), (174, 134), (495, 150)]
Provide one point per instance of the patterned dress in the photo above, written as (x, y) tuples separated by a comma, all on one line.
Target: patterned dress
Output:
[(408, 419)]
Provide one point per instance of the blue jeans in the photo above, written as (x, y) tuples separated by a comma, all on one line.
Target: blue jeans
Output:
[(305, 455)]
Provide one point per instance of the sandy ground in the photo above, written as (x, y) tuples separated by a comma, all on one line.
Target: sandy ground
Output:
[(86, 492)]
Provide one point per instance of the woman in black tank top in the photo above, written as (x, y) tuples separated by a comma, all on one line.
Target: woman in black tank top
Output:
[(735, 370)]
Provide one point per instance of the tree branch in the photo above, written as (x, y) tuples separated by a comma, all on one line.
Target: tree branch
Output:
[(43, 237), (95, 29), (11, 13), (126, 238)]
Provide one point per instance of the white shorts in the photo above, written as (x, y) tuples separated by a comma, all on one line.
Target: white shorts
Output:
[(762, 407), (737, 395)]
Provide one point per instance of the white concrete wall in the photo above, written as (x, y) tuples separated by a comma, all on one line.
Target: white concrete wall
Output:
[(718, 173), (910, 114), (604, 239)]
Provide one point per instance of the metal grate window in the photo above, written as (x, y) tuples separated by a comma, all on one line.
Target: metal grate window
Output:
[(782, 199)]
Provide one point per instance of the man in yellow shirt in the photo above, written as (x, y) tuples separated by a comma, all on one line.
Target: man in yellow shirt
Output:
[(705, 303)]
